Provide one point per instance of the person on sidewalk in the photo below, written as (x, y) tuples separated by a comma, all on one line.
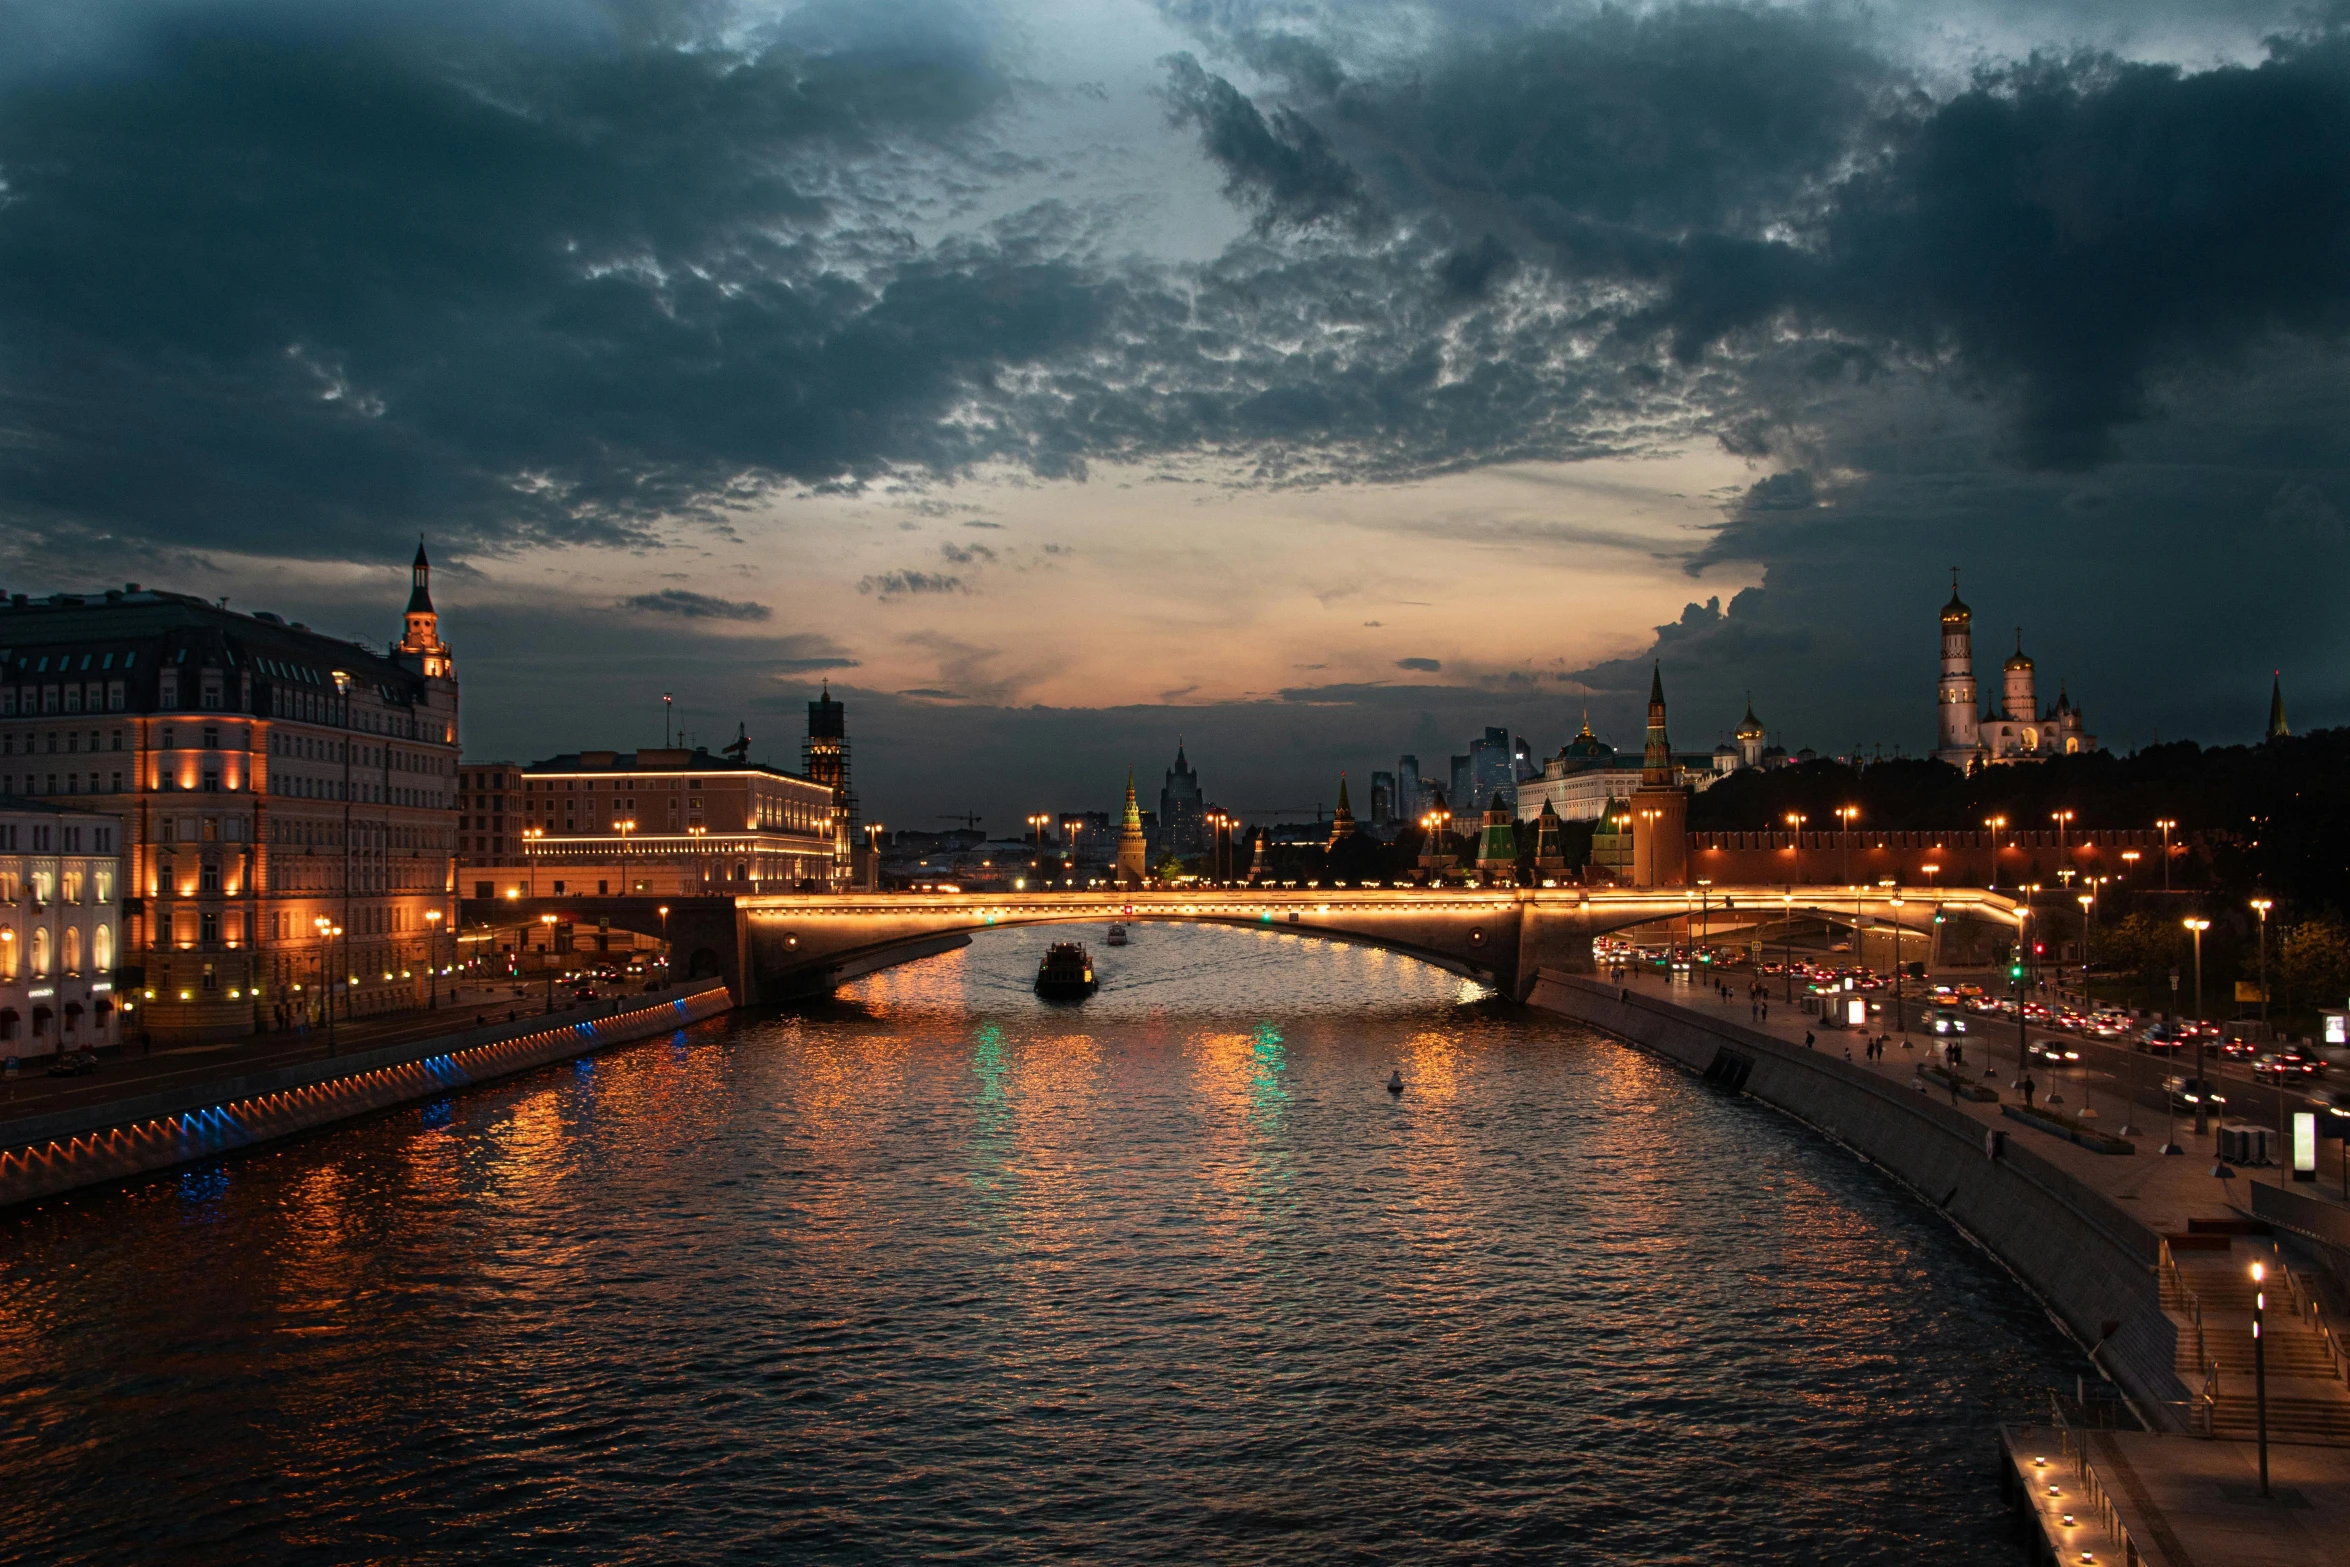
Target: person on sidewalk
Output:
[(2029, 1087), (1807, 1044)]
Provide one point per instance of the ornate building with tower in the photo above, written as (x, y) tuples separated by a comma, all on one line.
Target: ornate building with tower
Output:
[(2017, 731)]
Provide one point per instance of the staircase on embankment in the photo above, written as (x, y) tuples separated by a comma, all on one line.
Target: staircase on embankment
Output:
[(2207, 1288)]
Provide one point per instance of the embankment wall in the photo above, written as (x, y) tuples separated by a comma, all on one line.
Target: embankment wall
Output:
[(47, 1155), (2093, 1264)]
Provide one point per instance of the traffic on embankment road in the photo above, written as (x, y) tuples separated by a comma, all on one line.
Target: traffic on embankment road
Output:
[(2116, 1076)]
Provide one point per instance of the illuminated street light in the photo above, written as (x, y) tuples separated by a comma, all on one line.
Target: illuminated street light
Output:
[(1795, 821), (2166, 824), (432, 951), (2261, 906), (2196, 928)]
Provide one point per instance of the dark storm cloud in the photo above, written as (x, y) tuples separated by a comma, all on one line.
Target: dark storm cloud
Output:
[(1281, 164), (1426, 665), (2060, 233), (696, 606), (482, 269)]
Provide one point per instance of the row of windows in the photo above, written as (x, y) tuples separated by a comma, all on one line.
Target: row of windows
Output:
[(72, 738), (71, 784), (42, 951), (50, 838), (45, 885), (98, 696)]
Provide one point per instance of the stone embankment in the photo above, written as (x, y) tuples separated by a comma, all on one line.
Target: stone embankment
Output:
[(44, 1155), (2092, 1264)]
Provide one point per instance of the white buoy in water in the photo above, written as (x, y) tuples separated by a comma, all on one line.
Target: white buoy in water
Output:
[(1395, 1082)]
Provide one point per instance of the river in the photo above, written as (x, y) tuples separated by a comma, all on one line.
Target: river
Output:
[(939, 1270)]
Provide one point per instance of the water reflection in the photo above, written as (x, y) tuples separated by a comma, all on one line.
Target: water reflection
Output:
[(936, 1269)]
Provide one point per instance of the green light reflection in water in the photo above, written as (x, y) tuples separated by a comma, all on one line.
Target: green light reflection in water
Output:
[(991, 1129)]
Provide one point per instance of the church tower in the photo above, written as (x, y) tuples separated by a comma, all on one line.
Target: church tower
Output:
[(1961, 734), (422, 648), (1134, 850), (2278, 729), (2019, 702)]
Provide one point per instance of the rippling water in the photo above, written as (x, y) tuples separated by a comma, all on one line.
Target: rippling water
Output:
[(939, 1270)]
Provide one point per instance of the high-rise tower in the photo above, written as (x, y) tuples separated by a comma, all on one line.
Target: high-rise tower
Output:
[(1961, 728), (826, 761), (1660, 806)]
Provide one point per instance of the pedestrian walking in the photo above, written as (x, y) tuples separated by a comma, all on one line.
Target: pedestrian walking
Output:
[(1807, 1044), (2029, 1087)]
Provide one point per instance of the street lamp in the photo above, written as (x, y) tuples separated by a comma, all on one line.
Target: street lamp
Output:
[(2196, 928), (2130, 859), (668, 964), (328, 930), (2262, 906), (432, 951), (1899, 1022), (1847, 814), (1795, 821), (2088, 902), (1787, 930), (530, 842), (2260, 1365), (1996, 824), (2062, 819), (2166, 825), (548, 920)]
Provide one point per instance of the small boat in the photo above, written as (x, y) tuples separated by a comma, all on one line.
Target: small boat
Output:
[(1395, 1082), (1066, 974), (1117, 937)]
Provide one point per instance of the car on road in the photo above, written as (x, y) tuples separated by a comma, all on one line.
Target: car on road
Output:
[(80, 1063), (1946, 1020), (2160, 1039), (2186, 1093), (2054, 1052), (2287, 1066)]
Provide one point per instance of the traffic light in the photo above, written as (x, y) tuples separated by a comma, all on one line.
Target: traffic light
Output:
[(2015, 971), (2037, 949)]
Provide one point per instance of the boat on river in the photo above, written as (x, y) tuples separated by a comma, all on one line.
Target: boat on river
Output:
[(1066, 974), (1117, 936)]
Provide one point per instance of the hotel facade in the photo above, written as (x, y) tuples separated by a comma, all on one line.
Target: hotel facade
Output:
[(286, 799)]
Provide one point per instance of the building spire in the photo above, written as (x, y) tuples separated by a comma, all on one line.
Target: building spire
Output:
[(2278, 729), (1656, 759)]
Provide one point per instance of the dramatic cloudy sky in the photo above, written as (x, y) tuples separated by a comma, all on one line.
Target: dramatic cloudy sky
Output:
[(1315, 380)]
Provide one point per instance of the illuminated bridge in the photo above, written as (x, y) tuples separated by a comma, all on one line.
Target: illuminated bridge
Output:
[(772, 947)]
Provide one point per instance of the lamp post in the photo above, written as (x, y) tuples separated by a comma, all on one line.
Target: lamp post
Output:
[(2015, 975), (2166, 824), (2063, 819), (873, 831), (1795, 821), (1847, 814), (2262, 906), (668, 969), (432, 952), (1787, 929), (2260, 1365), (327, 930), (2130, 859), (1705, 919), (1934, 935), (2196, 928), (1899, 1022), (1995, 823), (530, 842), (548, 920), (2088, 902)]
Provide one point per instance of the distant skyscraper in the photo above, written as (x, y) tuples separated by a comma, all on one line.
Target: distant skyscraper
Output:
[(1182, 811), (1459, 788), (1411, 795), (1493, 767), (1522, 763), (1382, 804)]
